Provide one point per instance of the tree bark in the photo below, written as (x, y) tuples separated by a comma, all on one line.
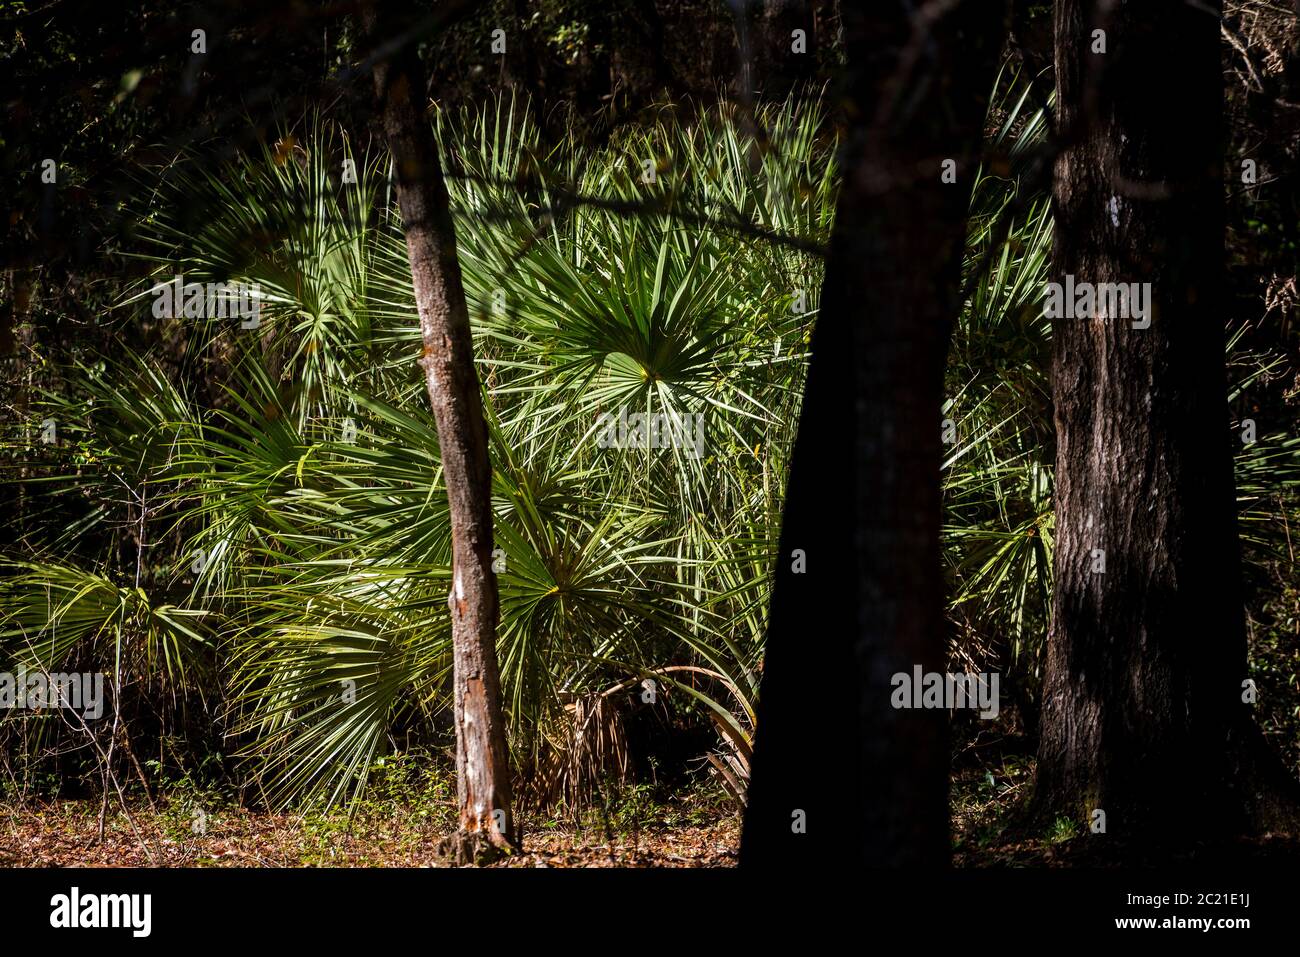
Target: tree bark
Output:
[(1142, 715), (839, 774), (482, 758)]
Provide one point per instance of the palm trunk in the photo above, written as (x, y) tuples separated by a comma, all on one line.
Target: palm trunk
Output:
[(482, 759)]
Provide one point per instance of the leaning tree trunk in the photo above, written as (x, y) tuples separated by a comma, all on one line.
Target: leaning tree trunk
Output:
[(1142, 716), (482, 760), (838, 773)]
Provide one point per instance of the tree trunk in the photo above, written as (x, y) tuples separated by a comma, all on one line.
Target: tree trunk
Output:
[(1142, 715), (839, 774), (482, 759)]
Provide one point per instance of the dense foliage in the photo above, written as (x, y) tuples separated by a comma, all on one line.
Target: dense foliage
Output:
[(246, 529)]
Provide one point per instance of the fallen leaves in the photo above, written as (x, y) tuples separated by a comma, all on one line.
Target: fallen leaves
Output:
[(64, 834)]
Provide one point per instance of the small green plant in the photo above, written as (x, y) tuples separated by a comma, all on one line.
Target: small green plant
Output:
[(1063, 829), (633, 808)]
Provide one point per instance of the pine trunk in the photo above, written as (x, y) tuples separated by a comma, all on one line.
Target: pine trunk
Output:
[(1143, 718), (839, 774)]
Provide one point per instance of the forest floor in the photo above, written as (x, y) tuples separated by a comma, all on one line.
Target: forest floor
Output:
[(66, 834), (986, 796), (697, 827)]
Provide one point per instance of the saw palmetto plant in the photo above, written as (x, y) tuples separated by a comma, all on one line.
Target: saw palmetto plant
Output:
[(288, 523), (253, 524)]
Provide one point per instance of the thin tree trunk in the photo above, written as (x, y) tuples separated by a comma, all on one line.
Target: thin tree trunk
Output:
[(482, 759), (1143, 718), (839, 774)]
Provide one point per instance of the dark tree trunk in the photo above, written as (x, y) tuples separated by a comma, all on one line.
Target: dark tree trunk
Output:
[(1142, 715), (482, 759), (863, 501)]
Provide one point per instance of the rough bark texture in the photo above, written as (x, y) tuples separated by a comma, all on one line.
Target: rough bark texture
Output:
[(872, 781), (482, 759), (1142, 714)]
